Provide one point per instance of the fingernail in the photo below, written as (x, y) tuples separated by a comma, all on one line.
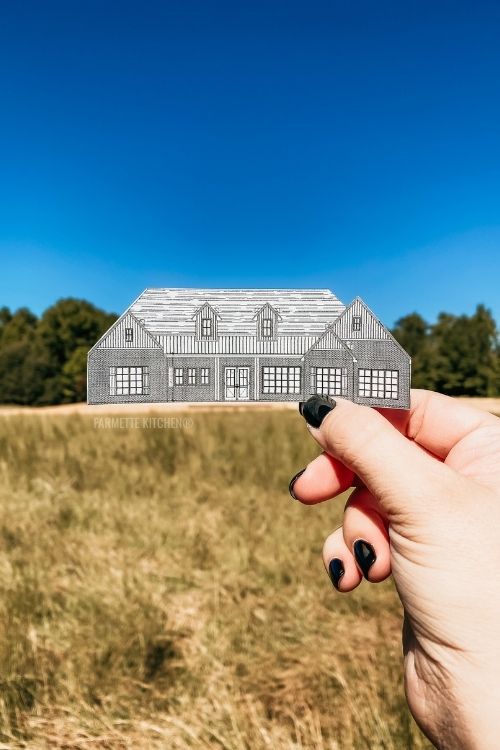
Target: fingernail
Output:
[(315, 409), (365, 555), (292, 482), (336, 571)]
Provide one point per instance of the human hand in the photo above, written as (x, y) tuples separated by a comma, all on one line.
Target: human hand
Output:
[(427, 508)]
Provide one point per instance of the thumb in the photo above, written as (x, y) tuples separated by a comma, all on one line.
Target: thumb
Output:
[(397, 471)]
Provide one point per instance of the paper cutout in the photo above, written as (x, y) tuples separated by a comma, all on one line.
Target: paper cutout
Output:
[(242, 345)]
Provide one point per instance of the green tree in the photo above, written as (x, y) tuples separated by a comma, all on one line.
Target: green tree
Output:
[(5, 317), (74, 376), (23, 365), (44, 361), (466, 354), (68, 327), (23, 371), (71, 323), (414, 335), (483, 379), (18, 326)]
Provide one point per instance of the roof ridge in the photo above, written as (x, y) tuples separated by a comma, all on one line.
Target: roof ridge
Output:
[(235, 289)]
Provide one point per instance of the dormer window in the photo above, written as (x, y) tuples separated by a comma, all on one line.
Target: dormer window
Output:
[(267, 320), (206, 320), (356, 323), (267, 328), (129, 335), (206, 328)]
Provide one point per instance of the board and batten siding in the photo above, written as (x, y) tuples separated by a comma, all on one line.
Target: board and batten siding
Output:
[(370, 327), (328, 341), (115, 337), (180, 344)]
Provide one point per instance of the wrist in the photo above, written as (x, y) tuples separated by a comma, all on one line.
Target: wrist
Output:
[(479, 702), (472, 721)]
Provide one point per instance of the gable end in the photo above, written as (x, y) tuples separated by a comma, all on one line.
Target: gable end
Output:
[(128, 332)]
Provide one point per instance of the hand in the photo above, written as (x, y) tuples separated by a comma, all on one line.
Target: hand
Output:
[(427, 509)]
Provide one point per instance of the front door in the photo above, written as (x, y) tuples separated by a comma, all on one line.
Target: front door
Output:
[(236, 385)]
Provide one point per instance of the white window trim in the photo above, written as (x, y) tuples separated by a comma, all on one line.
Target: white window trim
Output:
[(129, 380), (378, 383), (203, 333), (267, 331), (331, 381), (278, 380)]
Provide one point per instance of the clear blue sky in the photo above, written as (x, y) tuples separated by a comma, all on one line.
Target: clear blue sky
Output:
[(349, 145)]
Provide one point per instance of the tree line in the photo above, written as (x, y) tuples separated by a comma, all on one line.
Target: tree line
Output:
[(43, 360), (458, 354)]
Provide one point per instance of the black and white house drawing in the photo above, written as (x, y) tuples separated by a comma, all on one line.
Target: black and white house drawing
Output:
[(247, 345)]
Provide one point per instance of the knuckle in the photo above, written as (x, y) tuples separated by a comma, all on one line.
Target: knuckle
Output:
[(351, 438)]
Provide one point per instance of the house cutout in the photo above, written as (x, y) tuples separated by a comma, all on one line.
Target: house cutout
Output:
[(247, 345)]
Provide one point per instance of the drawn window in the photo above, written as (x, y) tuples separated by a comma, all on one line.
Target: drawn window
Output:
[(206, 328), (281, 379), (205, 375), (378, 384), (356, 323), (267, 328), (178, 376), (331, 381), (191, 376), (129, 381), (129, 334)]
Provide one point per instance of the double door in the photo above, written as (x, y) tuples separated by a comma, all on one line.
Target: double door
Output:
[(236, 384)]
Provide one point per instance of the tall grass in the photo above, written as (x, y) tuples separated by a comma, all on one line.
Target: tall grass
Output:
[(160, 589)]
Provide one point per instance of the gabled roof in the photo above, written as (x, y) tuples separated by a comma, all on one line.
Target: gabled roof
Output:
[(372, 331), (302, 311), (127, 317), (269, 307), (205, 306), (328, 341)]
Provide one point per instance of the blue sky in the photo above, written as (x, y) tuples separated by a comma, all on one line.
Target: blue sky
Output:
[(354, 146)]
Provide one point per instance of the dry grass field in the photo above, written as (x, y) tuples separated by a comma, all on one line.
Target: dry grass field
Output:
[(160, 589)]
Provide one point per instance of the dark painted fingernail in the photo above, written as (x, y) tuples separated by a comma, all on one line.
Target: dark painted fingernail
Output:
[(336, 571), (292, 482), (315, 409), (365, 555)]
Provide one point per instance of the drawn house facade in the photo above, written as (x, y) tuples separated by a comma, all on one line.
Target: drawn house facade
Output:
[(247, 345)]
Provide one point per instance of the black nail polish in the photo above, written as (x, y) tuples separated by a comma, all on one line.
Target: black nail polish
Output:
[(365, 555), (292, 482), (315, 409), (336, 571)]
